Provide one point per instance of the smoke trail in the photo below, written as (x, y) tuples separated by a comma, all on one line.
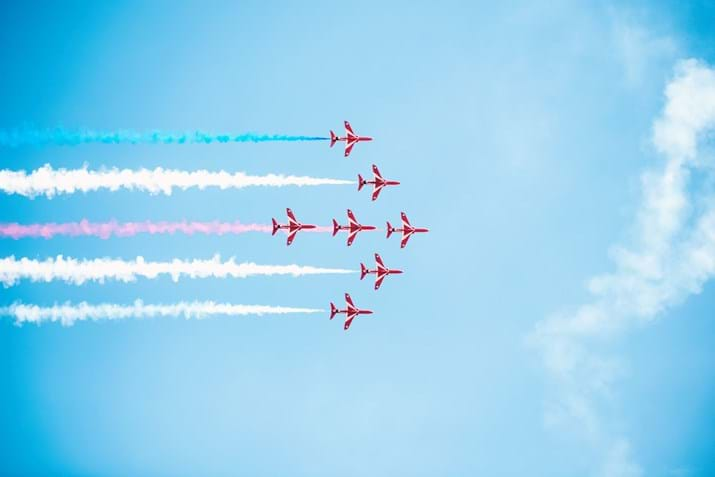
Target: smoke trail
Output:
[(77, 272), (68, 314), (50, 182), (105, 230), (72, 137)]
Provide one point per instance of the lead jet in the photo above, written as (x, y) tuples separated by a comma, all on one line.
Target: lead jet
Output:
[(293, 226), (350, 312), (350, 138), (378, 182), (381, 271), (406, 229), (353, 227)]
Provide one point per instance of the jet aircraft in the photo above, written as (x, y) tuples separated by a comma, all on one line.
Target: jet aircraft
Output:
[(353, 227), (406, 229), (378, 182), (351, 311), (293, 226), (381, 271), (350, 138)]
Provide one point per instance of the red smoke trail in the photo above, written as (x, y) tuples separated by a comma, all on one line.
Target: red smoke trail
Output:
[(105, 230)]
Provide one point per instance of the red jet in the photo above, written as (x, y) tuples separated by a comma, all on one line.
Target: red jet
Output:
[(380, 272), (293, 226), (378, 182), (353, 227), (350, 138), (407, 230), (350, 312)]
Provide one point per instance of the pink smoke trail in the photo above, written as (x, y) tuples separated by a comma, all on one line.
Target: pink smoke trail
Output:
[(105, 230)]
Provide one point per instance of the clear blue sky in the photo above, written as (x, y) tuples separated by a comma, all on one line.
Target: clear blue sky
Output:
[(519, 133)]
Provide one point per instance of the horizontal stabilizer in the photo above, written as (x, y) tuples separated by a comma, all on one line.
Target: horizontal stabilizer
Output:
[(336, 227)]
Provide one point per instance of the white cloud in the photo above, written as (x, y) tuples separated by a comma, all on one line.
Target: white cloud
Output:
[(619, 462), (671, 257), (637, 48)]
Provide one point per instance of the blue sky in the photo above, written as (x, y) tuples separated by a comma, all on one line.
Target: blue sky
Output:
[(520, 134)]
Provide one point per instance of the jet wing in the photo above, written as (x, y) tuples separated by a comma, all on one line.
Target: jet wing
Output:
[(405, 238), (376, 191), (378, 260), (349, 130), (376, 172), (351, 237), (349, 300), (348, 320), (405, 222), (291, 217), (351, 218), (291, 236), (378, 280), (349, 146)]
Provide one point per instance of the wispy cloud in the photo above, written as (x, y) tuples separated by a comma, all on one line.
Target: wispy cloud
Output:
[(639, 49), (77, 272), (671, 257)]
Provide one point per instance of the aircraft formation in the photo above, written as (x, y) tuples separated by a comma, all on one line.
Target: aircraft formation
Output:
[(354, 227), (48, 181)]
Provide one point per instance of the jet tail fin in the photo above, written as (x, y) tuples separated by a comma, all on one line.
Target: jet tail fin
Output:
[(333, 310), (333, 138), (336, 227), (275, 227), (363, 271), (361, 182), (389, 230)]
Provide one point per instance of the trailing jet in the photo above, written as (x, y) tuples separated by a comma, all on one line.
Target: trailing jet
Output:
[(380, 272), (350, 312), (407, 230), (378, 182), (293, 226), (353, 227), (350, 138)]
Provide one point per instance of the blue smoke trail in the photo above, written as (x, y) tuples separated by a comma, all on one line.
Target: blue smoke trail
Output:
[(72, 137)]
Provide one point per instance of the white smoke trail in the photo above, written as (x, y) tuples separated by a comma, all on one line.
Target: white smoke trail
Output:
[(78, 272), (50, 182), (68, 314)]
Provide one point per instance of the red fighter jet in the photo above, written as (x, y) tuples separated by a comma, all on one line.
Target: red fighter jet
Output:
[(293, 226), (350, 138), (378, 182), (407, 230), (353, 227), (350, 312), (380, 272)]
